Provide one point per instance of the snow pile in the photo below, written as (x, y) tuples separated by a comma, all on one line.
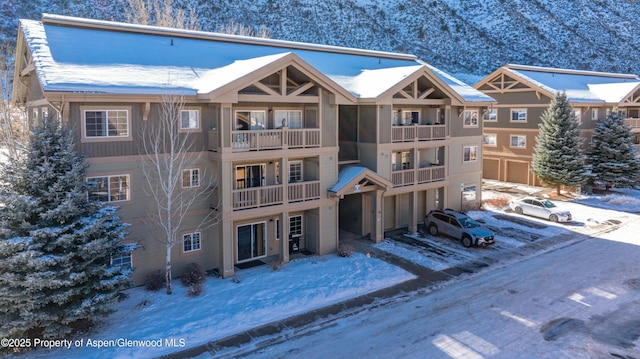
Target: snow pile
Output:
[(619, 200), (228, 306)]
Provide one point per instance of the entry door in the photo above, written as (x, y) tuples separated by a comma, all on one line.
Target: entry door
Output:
[(251, 241)]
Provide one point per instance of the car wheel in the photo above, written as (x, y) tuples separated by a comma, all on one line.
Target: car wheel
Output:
[(466, 241), (433, 229), (518, 210), (553, 218)]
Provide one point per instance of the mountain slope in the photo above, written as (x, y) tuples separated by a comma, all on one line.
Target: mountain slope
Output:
[(459, 36)]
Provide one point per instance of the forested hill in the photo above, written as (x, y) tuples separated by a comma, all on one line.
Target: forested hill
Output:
[(459, 36)]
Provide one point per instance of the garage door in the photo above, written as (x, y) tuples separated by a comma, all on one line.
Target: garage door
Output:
[(490, 169), (518, 172)]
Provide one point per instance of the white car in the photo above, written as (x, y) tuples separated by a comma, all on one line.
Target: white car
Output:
[(540, 207)]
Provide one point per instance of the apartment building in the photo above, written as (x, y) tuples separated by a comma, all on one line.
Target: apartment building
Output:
[(302, 140), (523, 93)]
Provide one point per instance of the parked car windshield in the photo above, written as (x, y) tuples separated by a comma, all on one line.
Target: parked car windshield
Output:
[(468, 222), (548, 204)]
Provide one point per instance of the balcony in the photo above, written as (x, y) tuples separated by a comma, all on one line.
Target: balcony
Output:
[(417, 176), (260, 140), (257, 197), (634, 123), (411, 133)]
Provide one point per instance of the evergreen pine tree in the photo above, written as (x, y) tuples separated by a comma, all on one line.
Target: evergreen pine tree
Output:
[(558, 159), (55, 244), (612, 156)]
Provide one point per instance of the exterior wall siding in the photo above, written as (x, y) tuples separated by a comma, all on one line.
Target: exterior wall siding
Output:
[(367, 124)]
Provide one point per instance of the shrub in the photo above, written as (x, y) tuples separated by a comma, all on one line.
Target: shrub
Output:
[(155, 281), (471, 206), (236, 279), (345, 250), (192, 277), (497, 202), (276, 265)]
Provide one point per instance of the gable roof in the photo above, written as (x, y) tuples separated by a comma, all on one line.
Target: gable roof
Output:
[(93, 56), (349, 176), (580, 86)]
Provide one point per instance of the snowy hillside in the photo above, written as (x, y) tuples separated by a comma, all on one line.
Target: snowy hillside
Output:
[(459, 36)]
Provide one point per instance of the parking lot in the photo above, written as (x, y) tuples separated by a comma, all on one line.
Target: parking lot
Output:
[(517, 236)]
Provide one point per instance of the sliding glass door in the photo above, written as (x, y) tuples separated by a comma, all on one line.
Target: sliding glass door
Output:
[(252, 241)]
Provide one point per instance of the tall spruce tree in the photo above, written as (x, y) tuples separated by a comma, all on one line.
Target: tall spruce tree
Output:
[(612, 156), (558, 159), (56, 245)]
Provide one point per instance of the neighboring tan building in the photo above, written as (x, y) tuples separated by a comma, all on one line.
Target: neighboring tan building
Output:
[(304, 140), (523, 93)]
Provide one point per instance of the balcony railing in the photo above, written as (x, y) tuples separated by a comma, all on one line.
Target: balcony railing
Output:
[(412, 133), (632, 122), (257, 197), (417, 176), (304, 191), (258, 140)]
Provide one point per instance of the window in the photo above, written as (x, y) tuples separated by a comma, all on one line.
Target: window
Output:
[(490, 139), (406, 117), (470, 118), (277, 229), (594, 114), (295, 171), (123, 260), (191, 242), (578, 115), (250, 176), (191, 178), (634, 113), (189, 119), (106, 123), (289, 118), (401, 161), (491, 115), (518, 141), (109, 188), (251, 120), (295, 226), (519, 115), (469, 193), (469, 153)]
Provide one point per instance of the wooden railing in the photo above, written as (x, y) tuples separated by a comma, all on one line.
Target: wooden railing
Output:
[(304, 191), (257, 197), (418, 133), (417, 176), (632, 122), (257, 140)]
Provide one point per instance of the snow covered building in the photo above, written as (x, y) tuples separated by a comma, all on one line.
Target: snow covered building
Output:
[(523, 93), (303, 140)]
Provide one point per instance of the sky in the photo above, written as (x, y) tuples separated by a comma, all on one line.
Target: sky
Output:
[(261, 295)]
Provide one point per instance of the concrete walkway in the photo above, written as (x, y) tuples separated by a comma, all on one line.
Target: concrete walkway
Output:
[(425, 278)]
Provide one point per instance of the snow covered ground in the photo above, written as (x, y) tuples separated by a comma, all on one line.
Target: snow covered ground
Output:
[(503, 313)]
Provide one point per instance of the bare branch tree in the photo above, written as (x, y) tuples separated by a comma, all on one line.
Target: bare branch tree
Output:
[(235, 28), (167, 153), (13, 131), (161, 13)]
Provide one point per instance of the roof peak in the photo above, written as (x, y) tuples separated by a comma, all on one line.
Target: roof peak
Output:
[(62, 20), (570, 71)]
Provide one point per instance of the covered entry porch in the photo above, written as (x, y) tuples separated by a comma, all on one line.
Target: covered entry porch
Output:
[(360, 192)]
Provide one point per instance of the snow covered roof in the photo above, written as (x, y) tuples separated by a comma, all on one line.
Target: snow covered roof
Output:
[(93, 56), (580, 86), (349, 175)]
